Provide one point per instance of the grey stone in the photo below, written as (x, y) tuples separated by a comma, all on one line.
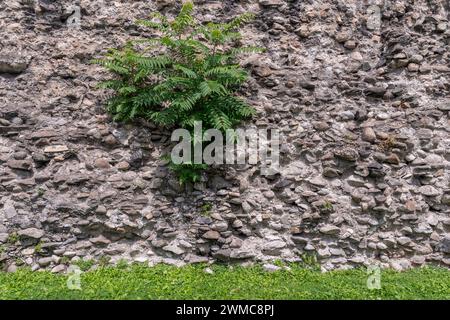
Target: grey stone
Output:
[(445, 245), (100, 240), (174, 249), (44, 262), (368, 134), (348, 154), (33, 233), (271, 268), (11, 268), (211, 235), (274, 247), (330, 230), (9, 209), (271, 3), (429, 191), (192, 258), (12, 63), (20, 164), (56, 149)]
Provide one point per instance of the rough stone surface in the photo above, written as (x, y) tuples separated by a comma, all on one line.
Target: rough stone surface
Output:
[(362, 102), (31, 233), (12, 63)]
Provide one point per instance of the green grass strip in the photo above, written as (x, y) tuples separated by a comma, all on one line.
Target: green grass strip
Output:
[(191, 282)]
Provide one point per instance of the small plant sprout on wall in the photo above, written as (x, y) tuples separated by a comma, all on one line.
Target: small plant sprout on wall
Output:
[(188, 73)]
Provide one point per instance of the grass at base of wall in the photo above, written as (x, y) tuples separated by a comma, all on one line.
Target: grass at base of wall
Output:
[(191, 282)]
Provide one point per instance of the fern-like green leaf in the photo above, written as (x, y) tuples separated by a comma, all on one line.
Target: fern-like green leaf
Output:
[(186, 71), (208, 87)]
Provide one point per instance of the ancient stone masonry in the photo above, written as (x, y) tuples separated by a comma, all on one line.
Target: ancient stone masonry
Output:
[(359, 89)]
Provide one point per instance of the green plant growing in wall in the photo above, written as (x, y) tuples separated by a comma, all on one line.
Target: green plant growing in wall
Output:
[(85, 265), (309, 260), (38, 248), (327, 206), (64, 260), (104, 261), (206, 209), (189, 72), (40, 192), (13, 238)]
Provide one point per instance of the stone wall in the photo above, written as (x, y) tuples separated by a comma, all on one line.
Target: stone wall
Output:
[(362, 102)]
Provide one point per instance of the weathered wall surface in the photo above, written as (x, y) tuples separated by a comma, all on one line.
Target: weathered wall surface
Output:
[(363, 104)]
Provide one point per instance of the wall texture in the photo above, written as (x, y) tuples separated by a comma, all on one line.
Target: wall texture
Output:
[(359, 89)]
